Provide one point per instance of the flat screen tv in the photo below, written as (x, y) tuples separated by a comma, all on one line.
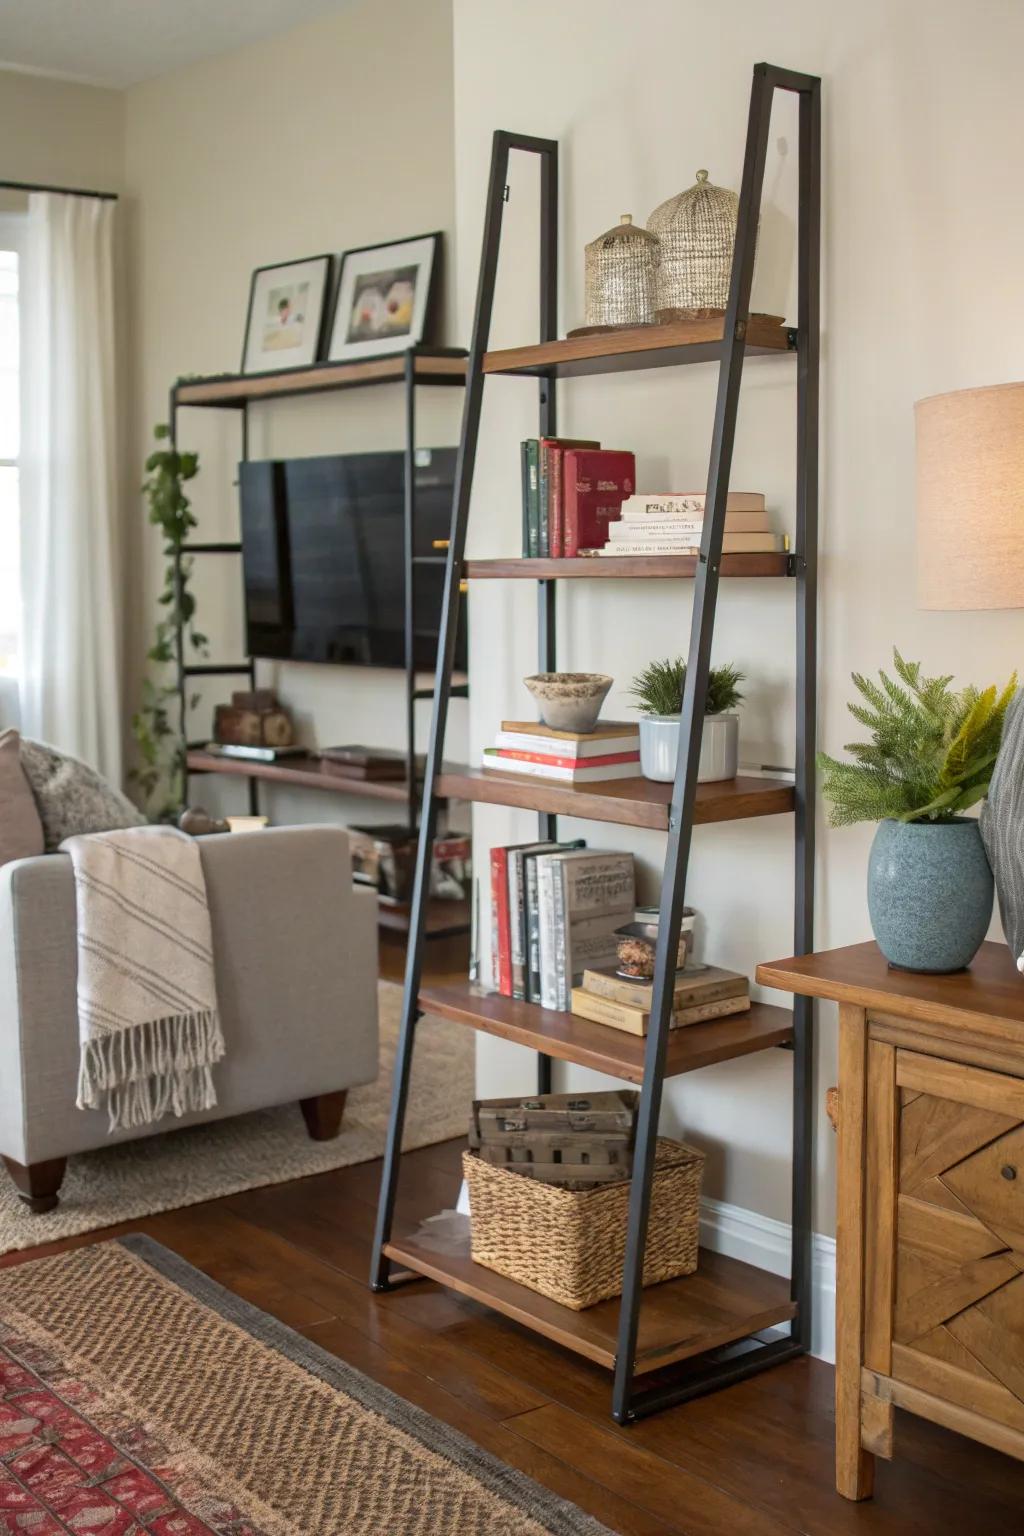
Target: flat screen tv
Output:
[(322, 550)]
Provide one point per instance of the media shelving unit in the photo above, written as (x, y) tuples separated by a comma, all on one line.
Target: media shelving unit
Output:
[(417, 366), (729, 1319)]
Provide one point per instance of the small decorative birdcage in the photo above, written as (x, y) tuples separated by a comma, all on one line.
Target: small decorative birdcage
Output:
[(696, 232), (619, 276)]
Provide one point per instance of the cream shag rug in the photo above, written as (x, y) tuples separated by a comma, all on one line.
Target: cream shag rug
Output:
[(203, 1162)]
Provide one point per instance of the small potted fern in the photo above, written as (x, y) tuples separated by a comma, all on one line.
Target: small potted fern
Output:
[(929, 759), (658, 690)]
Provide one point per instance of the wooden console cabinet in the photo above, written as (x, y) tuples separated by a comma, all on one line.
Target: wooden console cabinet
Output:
[(930, 1218)]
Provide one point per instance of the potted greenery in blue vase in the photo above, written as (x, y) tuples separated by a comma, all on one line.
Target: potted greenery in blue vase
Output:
[(929, 759)]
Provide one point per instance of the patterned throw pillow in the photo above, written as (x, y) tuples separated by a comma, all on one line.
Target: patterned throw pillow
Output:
[(73, 798), (21, 831)]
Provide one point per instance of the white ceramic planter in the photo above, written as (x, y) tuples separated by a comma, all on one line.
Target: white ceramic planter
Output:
[(659, 748)]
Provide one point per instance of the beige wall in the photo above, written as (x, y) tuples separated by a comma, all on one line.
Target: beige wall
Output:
[(923, 249), (336, 134), (60, 133)]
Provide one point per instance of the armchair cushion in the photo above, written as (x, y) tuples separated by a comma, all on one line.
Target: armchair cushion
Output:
[(21, 831), (73, 798)]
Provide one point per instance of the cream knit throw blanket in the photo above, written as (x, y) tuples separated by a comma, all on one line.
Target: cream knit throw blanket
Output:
[(147, 1005)]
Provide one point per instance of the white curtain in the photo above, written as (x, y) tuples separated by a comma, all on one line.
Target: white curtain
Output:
[(70, 652)]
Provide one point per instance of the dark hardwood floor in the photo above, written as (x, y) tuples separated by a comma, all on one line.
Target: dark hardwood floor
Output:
[(755, 1460)]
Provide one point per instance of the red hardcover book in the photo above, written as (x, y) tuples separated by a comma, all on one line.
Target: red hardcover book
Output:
[(607, 760), (501, 937), (555, 486), (595, 483)]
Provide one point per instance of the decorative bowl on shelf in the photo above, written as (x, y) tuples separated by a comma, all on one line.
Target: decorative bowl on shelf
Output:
[(569, 701)]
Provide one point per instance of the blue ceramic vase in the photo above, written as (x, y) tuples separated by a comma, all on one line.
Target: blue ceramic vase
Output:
[(930, 893)]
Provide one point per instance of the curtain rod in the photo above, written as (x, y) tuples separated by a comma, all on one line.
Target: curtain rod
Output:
[(33, 186)]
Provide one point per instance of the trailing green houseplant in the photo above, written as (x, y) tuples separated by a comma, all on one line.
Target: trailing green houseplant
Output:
[(156, 725), (929, 759), (658, 690)]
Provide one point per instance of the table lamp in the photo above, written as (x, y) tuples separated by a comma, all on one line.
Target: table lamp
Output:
[(970, 498)]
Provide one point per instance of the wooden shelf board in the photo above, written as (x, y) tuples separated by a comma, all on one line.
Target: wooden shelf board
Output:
[(629, 802), (598, 1045), (622, 567), (310, 772), (444, 918), (648, 346), (236, 389), (723, 1301)]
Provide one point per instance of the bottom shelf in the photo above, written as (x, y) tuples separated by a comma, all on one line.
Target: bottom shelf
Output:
[(725, 1300)]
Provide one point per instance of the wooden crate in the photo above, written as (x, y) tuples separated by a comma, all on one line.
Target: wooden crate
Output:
[(570, 1139)]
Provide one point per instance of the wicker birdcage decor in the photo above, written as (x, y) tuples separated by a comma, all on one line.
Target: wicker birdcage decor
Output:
[(619, 276), (696, 232)]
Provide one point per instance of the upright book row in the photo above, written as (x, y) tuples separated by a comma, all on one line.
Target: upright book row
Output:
[(572, 489), (554, 911)]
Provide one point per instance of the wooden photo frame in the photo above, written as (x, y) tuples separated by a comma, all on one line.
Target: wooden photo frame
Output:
[(284, 324), (387, 298)]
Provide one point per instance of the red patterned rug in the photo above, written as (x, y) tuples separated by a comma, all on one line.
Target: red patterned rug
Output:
[(138, 1396)]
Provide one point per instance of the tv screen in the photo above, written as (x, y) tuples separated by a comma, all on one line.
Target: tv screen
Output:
[(322, 549)]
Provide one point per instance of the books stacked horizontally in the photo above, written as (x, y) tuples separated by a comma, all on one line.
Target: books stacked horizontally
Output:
[(672, 524), (572, 491), (703, 993), (612, 751), (554, 911)]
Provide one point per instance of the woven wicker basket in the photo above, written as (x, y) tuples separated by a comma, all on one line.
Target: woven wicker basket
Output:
[(696, 233), (619, 276), (570, 1245)]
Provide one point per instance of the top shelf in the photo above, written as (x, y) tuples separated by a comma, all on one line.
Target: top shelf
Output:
[(441, 365), (646, 346)]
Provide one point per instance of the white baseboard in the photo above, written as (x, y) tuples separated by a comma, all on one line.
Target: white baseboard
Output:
[(756, 1239), (760, 1240)]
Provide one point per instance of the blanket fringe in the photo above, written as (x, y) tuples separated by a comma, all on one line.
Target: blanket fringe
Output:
[(152, 1069)]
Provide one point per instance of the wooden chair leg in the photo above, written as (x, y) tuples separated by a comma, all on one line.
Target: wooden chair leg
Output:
[(38, 1183), (323, 1114)]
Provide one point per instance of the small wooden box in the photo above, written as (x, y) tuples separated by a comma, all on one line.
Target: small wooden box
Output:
[(570, 1139)]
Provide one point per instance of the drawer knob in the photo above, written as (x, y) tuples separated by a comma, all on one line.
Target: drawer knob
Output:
[(1009, 1171)]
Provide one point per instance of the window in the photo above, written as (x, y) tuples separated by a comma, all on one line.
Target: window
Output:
[(10, 433)]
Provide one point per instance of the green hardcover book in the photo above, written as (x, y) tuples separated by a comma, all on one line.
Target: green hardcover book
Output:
[(531, 501)]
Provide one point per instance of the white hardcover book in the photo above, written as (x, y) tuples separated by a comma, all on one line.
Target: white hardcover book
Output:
[(585, 773), (691, 501), (546, 927), (661, 547), (581, 750)]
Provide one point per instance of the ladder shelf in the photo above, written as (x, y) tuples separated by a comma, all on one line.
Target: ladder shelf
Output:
[(728, 1320)]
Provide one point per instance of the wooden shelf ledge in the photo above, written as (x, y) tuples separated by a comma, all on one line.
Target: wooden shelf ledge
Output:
[(598, 1045), (623, 568), (231, 390), (648, 346), (628, 802), (309, 772), (725, 1300)]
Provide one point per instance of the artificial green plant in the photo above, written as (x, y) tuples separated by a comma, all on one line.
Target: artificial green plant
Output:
[(160, 775), (931, 751), (658, 689)]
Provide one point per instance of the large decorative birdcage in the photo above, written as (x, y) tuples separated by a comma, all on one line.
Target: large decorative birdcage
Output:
[(696, 232)]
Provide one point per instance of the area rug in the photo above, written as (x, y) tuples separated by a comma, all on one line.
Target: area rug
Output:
[(203, 1162), (139, 1396)]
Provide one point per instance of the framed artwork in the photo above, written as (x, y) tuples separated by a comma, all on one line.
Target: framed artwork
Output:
[(287, 305), (386, 298)]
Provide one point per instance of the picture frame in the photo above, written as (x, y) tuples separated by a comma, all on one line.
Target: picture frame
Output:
[(284, 324), (387, 298)]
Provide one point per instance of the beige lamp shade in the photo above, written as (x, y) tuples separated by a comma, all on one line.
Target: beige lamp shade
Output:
[(970, 498)]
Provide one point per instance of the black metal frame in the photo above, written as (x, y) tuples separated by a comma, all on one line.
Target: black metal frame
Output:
[(410, 379), (630, 1401)]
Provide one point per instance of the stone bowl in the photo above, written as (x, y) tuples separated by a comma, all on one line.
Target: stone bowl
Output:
[(569, 701)]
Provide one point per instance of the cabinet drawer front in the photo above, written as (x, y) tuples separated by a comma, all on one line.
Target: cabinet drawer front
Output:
[(958, 1321)]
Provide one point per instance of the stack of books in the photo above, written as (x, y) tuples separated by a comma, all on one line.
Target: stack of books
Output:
[(554, 911), (703, 993), (572, 491), (672, 524), (569, 757)]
